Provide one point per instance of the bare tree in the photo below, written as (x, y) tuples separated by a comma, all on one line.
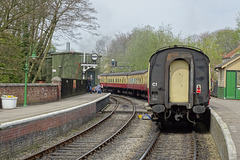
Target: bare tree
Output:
[(14, 36), (66, 16), (28, 24), (119, 43), (238, 20), (102, 45)]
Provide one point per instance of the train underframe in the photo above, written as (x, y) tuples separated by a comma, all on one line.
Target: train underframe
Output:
[(130, 92), (181, 113), (173, 114)]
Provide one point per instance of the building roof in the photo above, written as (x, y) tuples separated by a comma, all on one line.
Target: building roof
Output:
[(61, 53), (230, 54), (227, 62)]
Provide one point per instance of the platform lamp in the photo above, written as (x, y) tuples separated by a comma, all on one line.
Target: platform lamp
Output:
[(33, 56)]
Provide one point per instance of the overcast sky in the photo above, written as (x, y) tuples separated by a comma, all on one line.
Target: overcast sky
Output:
[(187, 17)]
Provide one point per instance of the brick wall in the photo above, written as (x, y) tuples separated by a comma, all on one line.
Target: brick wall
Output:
[(17, 138), (21, 135), (36, 93)]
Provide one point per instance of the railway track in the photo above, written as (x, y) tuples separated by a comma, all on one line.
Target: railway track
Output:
[(172, 146), (92, 138)]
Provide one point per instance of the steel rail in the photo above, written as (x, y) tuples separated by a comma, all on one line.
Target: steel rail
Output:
[(69, 140), (147, 151), (195, 145), (114, 134)]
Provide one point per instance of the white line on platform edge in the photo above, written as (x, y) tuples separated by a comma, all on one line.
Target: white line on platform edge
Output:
[(232, 153), (16, 122)]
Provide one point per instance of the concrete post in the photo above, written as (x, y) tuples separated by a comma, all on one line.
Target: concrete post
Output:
[(58, 81)]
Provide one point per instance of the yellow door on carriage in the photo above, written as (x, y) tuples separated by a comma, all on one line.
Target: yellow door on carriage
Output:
[(179, 81)]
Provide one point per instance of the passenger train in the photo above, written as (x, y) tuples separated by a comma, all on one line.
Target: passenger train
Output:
[(177, 84)]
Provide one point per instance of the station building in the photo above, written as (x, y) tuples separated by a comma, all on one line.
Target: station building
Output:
[(229, 76), (72, 65)]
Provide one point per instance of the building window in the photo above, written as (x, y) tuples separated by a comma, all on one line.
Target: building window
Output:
[(238, 78), (221, 78)]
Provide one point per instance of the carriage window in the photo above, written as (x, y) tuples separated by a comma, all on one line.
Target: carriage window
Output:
[(238, 78)]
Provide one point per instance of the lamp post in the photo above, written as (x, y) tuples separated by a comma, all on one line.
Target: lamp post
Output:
[(33, 56)]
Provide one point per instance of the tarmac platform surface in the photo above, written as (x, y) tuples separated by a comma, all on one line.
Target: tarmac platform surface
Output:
[(18, 113), (229, 111)]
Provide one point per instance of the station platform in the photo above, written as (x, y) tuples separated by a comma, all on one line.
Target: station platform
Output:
[(19, 113), (22, 128), (229, 112)]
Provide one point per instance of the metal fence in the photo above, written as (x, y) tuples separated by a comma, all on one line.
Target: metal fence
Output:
[(72, 87)]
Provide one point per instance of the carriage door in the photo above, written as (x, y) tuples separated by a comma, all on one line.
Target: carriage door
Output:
[(179, 81)]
